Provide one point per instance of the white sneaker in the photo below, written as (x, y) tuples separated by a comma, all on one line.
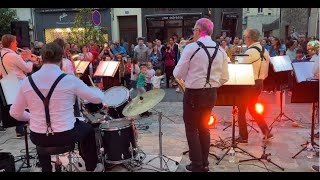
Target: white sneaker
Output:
[(99, 168)]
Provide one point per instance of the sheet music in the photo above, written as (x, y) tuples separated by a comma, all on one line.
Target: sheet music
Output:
[(240, 74), (303, 70), (81, 66), (281, 63), (107, 68), (10, 86)]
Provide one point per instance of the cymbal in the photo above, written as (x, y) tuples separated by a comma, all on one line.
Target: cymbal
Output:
[(138, 106)]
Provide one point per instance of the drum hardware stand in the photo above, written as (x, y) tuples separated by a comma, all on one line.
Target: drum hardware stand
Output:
[(313, 143), (25, 158), (281, 114), (161, 156), (234, 145)]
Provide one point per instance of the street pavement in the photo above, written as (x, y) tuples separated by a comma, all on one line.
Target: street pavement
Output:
[(286, 143)]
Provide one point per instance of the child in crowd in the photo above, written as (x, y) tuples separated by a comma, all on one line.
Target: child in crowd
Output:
[(157, 79), (135, 70), (141, 80), (128, 67), (150, 74)]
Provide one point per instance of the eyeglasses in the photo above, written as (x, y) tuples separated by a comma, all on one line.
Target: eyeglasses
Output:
[(194, 29)]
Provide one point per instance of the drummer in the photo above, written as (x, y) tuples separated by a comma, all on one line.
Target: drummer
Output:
[(58, 127)]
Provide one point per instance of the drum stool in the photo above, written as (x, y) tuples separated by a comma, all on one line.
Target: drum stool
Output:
[(60, 150)]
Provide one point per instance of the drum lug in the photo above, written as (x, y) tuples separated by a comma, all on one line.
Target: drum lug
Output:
[(119, 132), (122, 156)]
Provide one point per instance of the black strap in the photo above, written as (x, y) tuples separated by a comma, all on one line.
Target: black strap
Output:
[(261, 57), (2, 61), (46, 100), (210, 58)]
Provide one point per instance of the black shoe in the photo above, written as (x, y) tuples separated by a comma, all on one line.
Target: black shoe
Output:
[(268, 138), (315, 168), (19, 136), (2, 129), (191, 168), (239, 140), (205, 169)]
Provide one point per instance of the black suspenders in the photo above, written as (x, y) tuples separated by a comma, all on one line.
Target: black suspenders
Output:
[(2, 61), (201, 45), (46, 100)]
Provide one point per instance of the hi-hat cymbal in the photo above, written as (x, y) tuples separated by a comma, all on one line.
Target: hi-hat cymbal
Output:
[(138, 106)]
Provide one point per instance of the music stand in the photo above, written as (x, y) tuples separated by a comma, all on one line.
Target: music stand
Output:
[(281, 66), (107, 70), (241, 80), (82, 68), (305, 90)]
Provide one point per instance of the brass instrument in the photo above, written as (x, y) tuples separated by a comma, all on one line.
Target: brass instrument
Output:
[(181, 84)]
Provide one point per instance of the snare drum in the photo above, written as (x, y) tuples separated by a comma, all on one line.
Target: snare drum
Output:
[(116, 98), (118, 140)]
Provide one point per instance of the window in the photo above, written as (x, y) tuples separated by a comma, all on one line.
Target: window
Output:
[(260, 10)]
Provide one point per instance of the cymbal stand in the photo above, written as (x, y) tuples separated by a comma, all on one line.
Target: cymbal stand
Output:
[(161, 156)]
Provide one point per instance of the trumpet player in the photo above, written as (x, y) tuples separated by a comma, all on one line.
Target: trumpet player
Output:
[(11, 62)]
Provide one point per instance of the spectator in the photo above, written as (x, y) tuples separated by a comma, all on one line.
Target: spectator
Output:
[(141, 52), (156, 58), (149, 75), (119, 50), (299, 57), (292, 49)]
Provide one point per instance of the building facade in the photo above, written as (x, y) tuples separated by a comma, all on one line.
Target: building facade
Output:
[(162, 23), (257, 17), (57, 23), (126, 24)]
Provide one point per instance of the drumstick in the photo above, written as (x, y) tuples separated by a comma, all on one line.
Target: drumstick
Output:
[(91, 82)]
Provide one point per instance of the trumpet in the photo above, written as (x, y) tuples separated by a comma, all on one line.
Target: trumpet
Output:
[(19, 50)]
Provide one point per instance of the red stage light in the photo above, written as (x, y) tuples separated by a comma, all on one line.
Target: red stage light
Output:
[(259, 108), (211, 121)]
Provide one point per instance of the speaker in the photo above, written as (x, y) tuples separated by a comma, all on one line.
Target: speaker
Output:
[(21, 30)]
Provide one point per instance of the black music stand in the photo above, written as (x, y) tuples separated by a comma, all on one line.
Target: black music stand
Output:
[(306, 90), (236, 90), (282, 67), (108, 70), (8, 121)]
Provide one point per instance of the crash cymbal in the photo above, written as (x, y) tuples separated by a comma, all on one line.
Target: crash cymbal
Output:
[(149, 100)]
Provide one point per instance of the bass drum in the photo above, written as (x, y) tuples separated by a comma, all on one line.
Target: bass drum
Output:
[(118, 138), (116, 98)]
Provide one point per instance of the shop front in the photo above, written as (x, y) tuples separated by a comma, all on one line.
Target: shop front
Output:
[(162, 23), (57, 23)]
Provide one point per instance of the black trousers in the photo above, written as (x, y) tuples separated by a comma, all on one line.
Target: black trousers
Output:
[(82, 133), (250, 105), (197, 107)]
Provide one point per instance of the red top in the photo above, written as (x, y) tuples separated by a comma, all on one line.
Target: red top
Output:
[(128, 68)]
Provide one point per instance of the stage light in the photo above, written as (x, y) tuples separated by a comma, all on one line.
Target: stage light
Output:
[(259, 108), (212, 120)]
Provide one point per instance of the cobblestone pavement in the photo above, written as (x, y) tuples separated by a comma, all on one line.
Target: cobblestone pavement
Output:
[(286, 143)]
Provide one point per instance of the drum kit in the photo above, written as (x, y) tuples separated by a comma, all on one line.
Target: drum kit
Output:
[(117, 127)]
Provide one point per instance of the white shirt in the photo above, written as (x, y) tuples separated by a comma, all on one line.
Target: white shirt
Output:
[(156, 80), (14, 63), (61, 102), (150, 74), (136, 69), (67, 66), (194, 72), (255, 55)]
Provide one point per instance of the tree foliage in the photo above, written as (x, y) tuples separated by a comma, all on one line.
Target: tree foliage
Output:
[(7, 15), (83, 30)]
